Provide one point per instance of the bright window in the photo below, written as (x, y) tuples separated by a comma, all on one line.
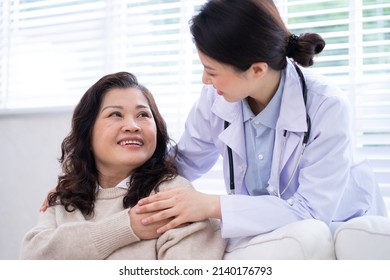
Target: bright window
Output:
[(51, 51)]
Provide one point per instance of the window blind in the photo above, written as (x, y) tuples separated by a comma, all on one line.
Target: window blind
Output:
[(55, 49)]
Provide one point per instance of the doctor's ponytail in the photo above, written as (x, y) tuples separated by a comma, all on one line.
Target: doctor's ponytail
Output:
[(304, 47), (242, 32)]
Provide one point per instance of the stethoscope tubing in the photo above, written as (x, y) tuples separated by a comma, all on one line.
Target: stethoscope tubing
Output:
[(304, 143), (232, 187)]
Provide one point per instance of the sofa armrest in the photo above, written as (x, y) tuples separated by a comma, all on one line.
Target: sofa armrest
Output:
[(363, 238)]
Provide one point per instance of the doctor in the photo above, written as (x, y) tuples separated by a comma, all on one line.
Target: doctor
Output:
[(288, 129)]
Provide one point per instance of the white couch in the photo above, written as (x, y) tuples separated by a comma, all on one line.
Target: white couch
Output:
[(363, 238), (366, 237)]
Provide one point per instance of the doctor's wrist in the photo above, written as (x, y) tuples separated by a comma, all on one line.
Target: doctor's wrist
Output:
[(214, 206)]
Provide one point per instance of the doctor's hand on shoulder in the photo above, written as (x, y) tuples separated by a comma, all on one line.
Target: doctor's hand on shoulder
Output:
[(168, 209), (145, 232), (180, 205)]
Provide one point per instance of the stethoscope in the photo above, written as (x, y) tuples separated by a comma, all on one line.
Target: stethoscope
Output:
[(304, 143)]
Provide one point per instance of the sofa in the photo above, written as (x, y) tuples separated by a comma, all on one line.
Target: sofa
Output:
[(362, 238)]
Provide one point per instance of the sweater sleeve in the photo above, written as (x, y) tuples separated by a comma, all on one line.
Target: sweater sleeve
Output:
[(199, 240), (76, 240), (196, 241)]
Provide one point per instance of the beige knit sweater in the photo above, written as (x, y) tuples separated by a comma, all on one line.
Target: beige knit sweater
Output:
[(108, 234)]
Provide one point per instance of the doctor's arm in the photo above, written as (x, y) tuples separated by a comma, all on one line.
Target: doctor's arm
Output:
[(320, 182), (322, 179)]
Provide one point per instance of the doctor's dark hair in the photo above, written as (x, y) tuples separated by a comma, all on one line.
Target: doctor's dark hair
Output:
[(76, 187), (243, 32)]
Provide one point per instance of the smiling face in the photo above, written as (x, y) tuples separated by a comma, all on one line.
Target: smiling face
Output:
[(124, 135), (232, 85), (259, 82)]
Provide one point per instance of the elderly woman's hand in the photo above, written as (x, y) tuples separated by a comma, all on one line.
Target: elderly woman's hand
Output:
[(45, 203), (143, 231), (178, 206)]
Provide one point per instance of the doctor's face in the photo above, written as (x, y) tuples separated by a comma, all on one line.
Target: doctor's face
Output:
[(229, 83)]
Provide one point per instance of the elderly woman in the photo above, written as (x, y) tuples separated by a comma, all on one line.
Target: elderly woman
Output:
[(116, 154)]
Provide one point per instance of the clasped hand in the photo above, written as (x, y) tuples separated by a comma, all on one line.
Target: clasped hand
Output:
[(178, 206)]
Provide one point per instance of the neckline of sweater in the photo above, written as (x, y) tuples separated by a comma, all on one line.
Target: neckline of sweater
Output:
[(108, 193)]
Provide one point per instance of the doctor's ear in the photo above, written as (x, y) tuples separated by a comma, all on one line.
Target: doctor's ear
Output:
[(259, 69)]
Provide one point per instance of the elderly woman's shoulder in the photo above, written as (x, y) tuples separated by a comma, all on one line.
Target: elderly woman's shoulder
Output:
[(176, 182)]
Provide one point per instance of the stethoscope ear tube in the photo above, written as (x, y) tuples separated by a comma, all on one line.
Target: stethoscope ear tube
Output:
[(304, 94), (231, 170), (307, 134)]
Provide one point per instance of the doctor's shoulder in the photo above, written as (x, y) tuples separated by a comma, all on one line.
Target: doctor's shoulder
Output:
[(321, 85), (327, 105), (323, 90)]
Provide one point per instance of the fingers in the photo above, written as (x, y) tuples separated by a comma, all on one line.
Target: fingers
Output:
[(144, 232), (158, 217), (164, 195), (172, 224), (44, 206), (151, 207), (157, 202), (154, 207), (171, 220), (165, 206), (45, 203)]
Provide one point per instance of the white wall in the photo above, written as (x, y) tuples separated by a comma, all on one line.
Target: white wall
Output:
[(29, 149)]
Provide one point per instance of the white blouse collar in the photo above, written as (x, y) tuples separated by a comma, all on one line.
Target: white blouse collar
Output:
[(124, 184)]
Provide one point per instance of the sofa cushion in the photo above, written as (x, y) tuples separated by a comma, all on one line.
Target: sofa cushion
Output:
[(363, 238), (303, 240)]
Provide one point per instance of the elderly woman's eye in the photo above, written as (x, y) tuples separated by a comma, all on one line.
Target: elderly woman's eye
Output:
[(144, 115), (115, 114)]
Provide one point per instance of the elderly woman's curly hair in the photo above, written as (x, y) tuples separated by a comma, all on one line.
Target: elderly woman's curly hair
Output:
[(76, 187)]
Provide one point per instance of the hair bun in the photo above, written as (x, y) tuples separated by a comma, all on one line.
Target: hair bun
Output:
[(292, 41)]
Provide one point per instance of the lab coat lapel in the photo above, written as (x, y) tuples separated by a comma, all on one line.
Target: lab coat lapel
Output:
[(292, 147), (233, 136), (285, 148), (290, 126), (292, 115)]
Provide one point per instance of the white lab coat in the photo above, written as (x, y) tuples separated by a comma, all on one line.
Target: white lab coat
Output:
[(328, 184)]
